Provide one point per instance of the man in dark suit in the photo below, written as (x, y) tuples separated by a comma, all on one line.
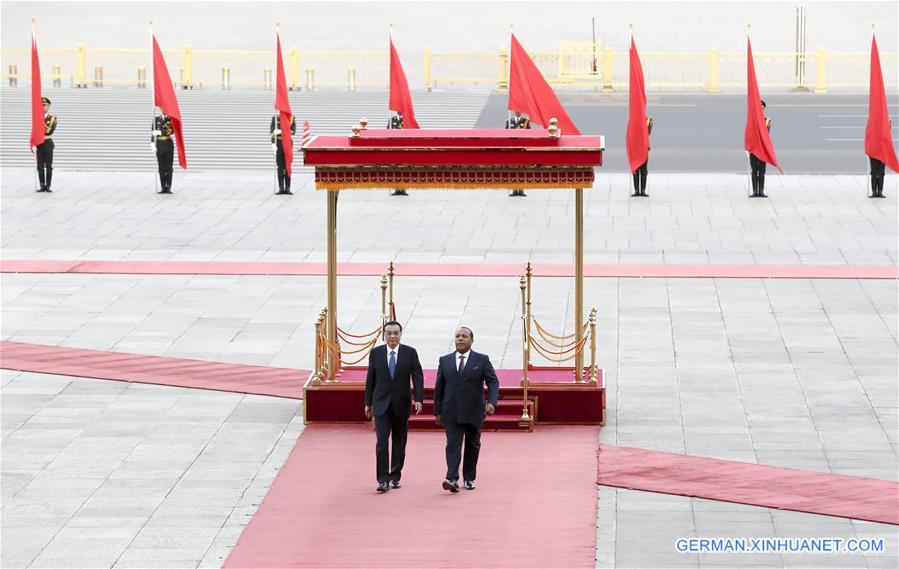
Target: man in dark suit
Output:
[(460, 406), (388, 398)]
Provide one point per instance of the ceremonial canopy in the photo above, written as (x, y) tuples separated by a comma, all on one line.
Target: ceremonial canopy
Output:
[(454, 159), (448, 159)]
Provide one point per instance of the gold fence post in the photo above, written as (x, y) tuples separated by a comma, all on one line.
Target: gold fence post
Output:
[(714, 86), (502, 82), (525, 416), (607, 70), (187, 81), (294, 68), (593, 342), (80, 66), (821, 72), (427, 66), (141, 77), (13, 75)]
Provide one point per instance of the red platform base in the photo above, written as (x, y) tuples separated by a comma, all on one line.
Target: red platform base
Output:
[(557, 399)]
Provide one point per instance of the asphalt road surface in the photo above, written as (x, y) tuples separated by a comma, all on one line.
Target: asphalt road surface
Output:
[(812, 133)]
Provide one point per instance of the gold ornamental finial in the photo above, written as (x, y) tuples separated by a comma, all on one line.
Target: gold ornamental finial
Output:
[(356, 129), (553, 128), (363, 122)]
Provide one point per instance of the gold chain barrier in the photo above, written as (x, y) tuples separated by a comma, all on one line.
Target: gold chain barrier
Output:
[(361, 343), (550, 346)]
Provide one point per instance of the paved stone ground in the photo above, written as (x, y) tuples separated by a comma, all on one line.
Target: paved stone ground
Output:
[(104, 473), (796, 373), (690, 218)]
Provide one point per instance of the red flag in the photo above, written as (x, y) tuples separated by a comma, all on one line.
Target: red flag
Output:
[(282, 104), (756, 139), (878, 138), (637, 140), (530, 93), (164, 98), (37, 105), (400, 98)]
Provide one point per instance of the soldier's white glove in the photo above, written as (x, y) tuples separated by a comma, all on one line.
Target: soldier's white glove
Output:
[(277, 131), (274, 148), (153, 147), (33, 149), (157, 133)]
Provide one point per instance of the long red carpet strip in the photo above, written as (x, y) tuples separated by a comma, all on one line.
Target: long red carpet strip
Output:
[(453, 269), (853, 497), (535, 505), (173, 372)]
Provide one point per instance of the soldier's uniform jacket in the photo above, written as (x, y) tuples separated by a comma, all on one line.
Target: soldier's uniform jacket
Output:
[(520, 122), (276, 123), (163, 123), (395, 122), (49, 125)]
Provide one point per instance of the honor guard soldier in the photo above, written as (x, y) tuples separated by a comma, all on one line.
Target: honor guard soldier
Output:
[(164, 147), (396, 121), (278, 149), (758, 167), (878, 171), (518, 121), (44, 152), (641, 172)]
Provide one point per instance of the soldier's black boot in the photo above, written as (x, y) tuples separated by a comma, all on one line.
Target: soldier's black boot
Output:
[(643, 186), (287, 186), (49, 179), (636, 185)]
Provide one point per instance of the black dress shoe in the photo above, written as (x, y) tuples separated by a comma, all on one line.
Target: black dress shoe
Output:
[(451, 485), (383, 487), (469, 485), (395, 484), (400, 193)]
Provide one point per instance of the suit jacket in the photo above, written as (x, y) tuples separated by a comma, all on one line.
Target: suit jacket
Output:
[(381, 391), (460, 398)]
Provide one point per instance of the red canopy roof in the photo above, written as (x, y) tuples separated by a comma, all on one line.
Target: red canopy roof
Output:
[(453, 158)]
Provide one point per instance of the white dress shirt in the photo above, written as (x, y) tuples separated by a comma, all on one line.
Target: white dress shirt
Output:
[(460, 356)]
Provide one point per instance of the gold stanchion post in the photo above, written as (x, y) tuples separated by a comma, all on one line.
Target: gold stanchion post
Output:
[(593, 377), (529, 271), (390, 271), (522, 283), (383, 302)]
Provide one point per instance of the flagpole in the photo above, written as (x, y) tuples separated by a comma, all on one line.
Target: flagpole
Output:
[(867, 161), (34, 46), (508, 110), (748, 159), (152, 84), (277, 111)]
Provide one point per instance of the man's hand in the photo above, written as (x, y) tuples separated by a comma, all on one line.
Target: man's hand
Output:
[(439, 420), (489, 409), (417, 407), (153, 147), (368, 411)]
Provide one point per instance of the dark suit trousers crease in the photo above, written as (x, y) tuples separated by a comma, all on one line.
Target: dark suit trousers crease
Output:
[(389, 426), (455, 433)]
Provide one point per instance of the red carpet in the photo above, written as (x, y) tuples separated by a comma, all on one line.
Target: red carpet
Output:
[(535, 505), (453, 269), (174, 372), (853, 497)]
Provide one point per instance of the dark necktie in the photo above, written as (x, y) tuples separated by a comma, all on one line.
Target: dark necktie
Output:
[(391, 363), (461, 364)]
